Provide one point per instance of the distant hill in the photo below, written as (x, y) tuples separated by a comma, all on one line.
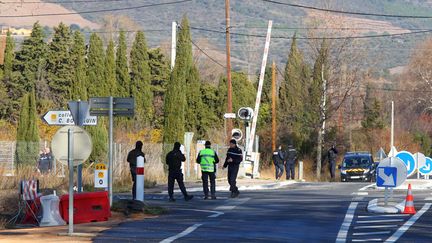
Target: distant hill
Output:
[(249, 17)]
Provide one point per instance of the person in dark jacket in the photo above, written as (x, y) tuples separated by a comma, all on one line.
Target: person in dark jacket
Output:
[(332, 154), (278, 161), (174, 161), (207, 158), (232, 161), (290, 159), (132, 160)]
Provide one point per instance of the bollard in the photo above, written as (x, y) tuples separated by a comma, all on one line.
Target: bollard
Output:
[(300, 170), (140, 179)]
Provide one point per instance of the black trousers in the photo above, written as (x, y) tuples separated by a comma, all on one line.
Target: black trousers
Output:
[(133, 174), (205, 178), (232, 177), (176, 176), (279, 170), (290, 170), (332, 168)]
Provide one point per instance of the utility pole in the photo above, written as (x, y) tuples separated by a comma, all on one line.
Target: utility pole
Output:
[(273, 106), (322, 118), (173, 44), (229, 126)]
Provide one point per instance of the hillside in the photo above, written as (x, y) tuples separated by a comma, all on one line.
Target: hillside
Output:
[(250, 18)]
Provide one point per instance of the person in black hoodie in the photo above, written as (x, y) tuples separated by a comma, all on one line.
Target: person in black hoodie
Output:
[(132, 159), (232, 161), (174, 161)]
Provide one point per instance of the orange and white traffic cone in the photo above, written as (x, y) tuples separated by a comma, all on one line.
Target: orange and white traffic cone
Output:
[(409, 202)]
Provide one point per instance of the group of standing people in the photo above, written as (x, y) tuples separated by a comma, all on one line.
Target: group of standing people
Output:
[(207, 159), (285, 160)]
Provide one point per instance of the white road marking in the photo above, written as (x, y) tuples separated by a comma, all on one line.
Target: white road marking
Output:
[(182, 234), (408, 224), (372, 233), (214, 213), (225, 207), (367, 187), (379, 221), (366, 240), (375, 226), (232, 204), (343, 231), (428, 199), (383, 215), (360, 193)]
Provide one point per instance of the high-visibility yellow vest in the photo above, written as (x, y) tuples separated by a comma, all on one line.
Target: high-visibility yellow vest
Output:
[(207, 160)]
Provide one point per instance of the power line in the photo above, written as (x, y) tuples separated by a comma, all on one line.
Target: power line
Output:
[(211, 58), (95, 11), (318, 38), (349, 12), (63, 2)]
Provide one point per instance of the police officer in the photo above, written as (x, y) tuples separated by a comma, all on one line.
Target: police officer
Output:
[(132, 159), (291, 156), (278, 161), (208, 159), (332, 154), (232, 161), (174, 161)]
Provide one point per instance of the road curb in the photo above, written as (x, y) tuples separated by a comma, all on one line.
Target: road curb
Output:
[(391, 209)]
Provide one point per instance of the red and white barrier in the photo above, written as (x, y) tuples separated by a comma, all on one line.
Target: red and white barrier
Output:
[(140, 179)]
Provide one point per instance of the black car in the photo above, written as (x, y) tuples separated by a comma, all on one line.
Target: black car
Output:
[(358, 166)]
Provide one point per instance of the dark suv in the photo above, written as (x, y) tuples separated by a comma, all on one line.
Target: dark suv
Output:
[(358, 166)]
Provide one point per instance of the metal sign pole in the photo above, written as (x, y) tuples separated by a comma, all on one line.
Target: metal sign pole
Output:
[(71, 176), (110, 153), (79, 168)]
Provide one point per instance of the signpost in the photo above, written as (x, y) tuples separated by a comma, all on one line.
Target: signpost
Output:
[(391, 172), (111, 106), (64, 118), (71, 145), (101, 175)]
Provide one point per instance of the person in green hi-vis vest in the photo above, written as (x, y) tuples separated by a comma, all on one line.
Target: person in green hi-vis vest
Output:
[(208, 159)]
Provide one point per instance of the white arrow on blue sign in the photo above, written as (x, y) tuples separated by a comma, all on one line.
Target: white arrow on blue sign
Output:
[(425, 167), (391, 172), (386, 176), (409, 161)]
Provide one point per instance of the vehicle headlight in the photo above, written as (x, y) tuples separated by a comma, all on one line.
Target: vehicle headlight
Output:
[(343, 171), (366, 171)]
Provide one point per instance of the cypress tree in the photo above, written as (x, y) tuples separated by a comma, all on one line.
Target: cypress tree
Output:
[(30, 64), (160, 74), (122, 70), (79, 77), (140, 79), (194, 106), (175, 98), (95, 66), (8, 85), (27, 147), (110, 73), (9, 57), (59, 65)]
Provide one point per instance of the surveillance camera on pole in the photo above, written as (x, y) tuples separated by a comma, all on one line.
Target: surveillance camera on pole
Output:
[(245, 113), (236, 134)]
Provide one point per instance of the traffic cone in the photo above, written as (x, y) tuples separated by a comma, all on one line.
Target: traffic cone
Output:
[(409, 202)]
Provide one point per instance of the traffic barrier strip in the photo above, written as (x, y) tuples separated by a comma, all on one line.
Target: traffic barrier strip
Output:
[(88, 207)]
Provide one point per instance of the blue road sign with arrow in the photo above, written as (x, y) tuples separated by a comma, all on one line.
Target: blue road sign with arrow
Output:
[(408, 160), (426, 168), (386, 176)]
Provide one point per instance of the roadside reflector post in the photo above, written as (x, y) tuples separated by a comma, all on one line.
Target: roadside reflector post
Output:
[(140, 179)]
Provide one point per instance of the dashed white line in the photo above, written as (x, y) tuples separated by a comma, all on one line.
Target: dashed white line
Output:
[(225, 207), (379, 221), (383, 215), (428, 199), (214, 213), (366, 240), (182, 234), (408, 224), (372, 233), (375, 226), (343, 231)]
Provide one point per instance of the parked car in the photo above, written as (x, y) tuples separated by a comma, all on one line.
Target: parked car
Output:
[(358, 166)]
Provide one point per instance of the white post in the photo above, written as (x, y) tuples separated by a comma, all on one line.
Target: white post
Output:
[(392, 128), (300, 171), (110, 150), (140, 179), (71, 179), (173, 44)]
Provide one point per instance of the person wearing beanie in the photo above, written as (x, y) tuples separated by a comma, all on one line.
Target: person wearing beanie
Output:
[(174, 161), (132, 160), (207, 158), (233, 159)]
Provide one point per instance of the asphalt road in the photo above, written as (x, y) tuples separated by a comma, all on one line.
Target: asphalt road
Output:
[(305, 212)]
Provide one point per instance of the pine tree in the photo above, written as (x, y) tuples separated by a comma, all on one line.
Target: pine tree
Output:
[(27, 147), (140, 80), (59, 65), (95, 66), (31, 64), (160, 74), (372, 112), (110, 73), (79, 77), (122, 70)]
